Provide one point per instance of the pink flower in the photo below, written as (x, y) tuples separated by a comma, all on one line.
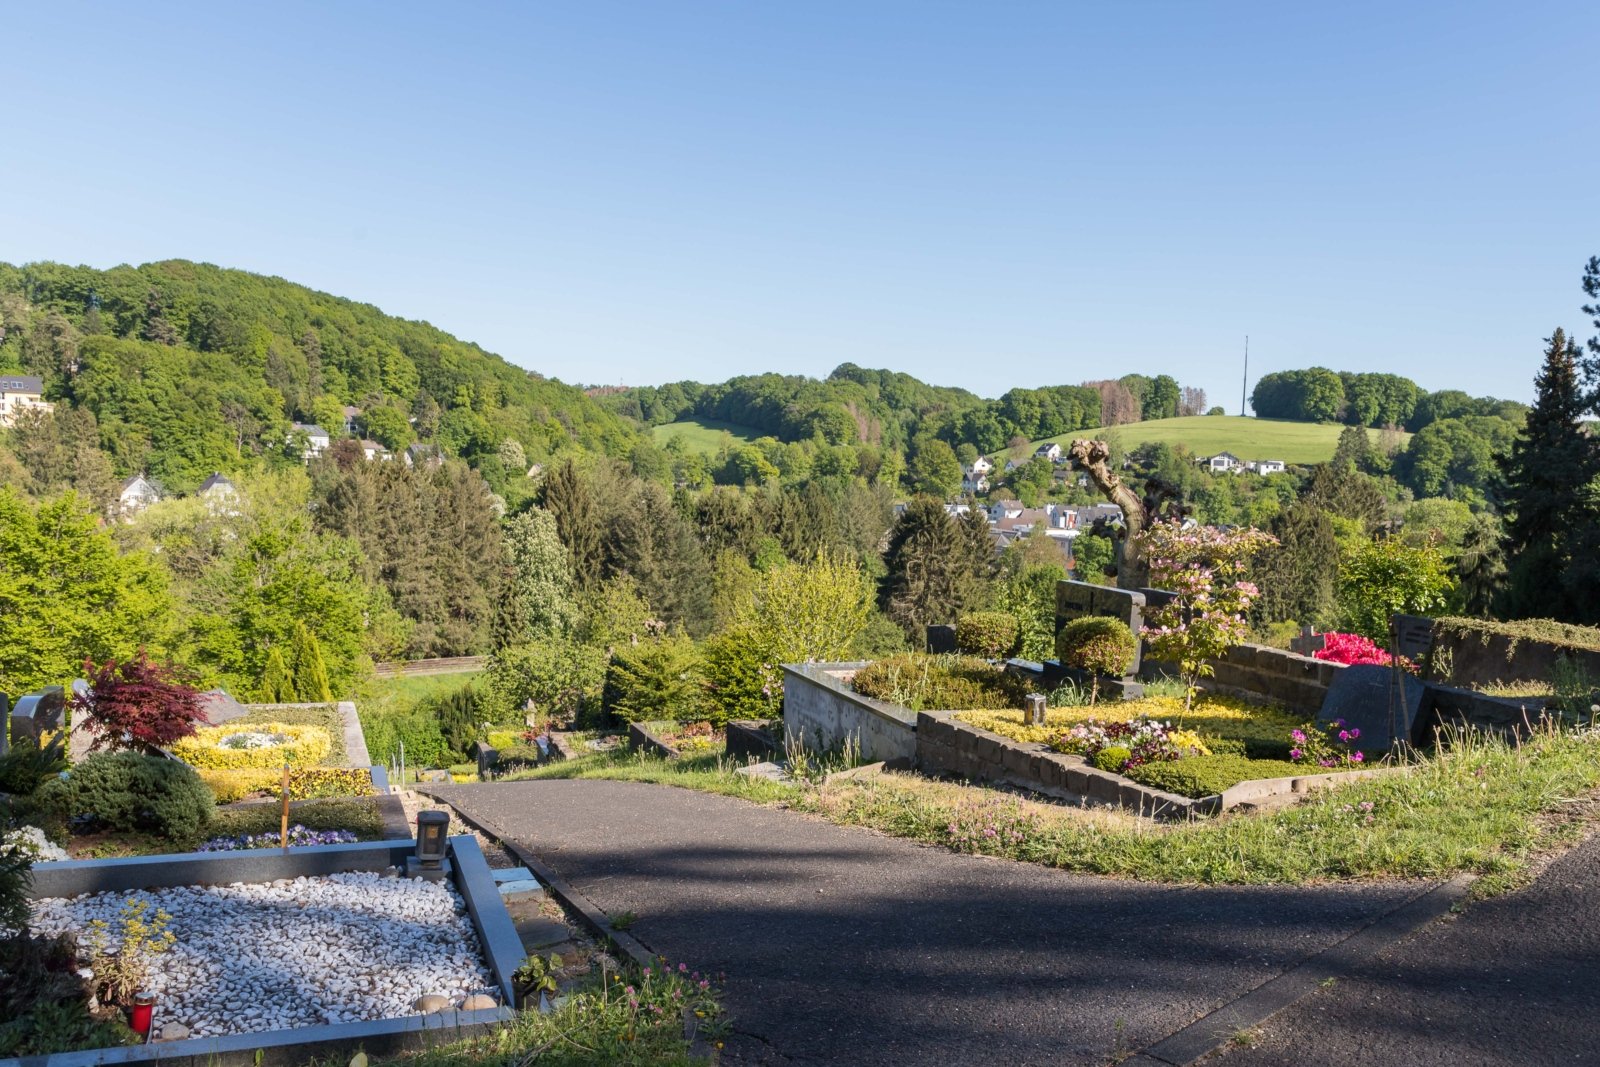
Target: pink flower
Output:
[(1356, 757)]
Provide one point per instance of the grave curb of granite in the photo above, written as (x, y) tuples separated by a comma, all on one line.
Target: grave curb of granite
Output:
[(282, 1048), (591, 914), (1215, 1029)]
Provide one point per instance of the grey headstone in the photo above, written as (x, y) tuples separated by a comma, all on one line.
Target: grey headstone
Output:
[(37, 712), (1360, 696), (220, 707), (1413, 636), (485, 755), (1306, 643)]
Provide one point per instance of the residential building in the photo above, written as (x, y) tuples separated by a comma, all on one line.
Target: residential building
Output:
[(19, 393), (373, 450), (418, 454), (1224, 463), (1050, 451), (1005, 509), (220, 494), (1271, 466), (317, 439), (137, 493)]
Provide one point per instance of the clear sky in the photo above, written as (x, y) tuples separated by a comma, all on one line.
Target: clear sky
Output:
[(987, 194)]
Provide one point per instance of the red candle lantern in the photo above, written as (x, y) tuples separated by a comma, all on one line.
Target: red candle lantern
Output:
[(144, 1007)]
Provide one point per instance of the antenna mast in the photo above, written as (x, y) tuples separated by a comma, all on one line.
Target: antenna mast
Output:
[(1245, 385)]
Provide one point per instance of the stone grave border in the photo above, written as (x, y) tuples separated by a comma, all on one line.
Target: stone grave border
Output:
[(502, 951), (946, 745)]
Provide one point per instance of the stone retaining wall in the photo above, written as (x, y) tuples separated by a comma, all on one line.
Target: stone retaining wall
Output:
[(821, 709), (1264, 675)]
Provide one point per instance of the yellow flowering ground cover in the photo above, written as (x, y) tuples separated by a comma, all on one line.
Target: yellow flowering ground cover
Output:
[(304, 746), (1211, 717)]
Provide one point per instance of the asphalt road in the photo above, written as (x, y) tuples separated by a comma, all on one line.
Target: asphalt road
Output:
[(1512, 980), (845, 946)]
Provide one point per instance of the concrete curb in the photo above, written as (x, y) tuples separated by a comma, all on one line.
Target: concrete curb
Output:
[(594, 917), (1215, 1029)]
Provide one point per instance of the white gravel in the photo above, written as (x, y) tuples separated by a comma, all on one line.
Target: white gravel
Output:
[(302, 952)]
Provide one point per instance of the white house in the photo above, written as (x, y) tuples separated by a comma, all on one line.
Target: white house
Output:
[(373, 450), (1005, 509), (980, 466), (1224, 463), (137, 493), (1050, 451), (19, 393), (1271, 466), (421, 455), (220, 494), (317, 439)]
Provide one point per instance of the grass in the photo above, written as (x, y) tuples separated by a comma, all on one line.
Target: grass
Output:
[(402, 692), (704, 435), (1247, 438), (1482, 805)]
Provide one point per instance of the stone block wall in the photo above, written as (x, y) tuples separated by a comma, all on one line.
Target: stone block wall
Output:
[(1261, 674)]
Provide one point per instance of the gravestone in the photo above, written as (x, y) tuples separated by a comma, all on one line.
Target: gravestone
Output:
[(36, 713), (1077, 600), (1360, 696), (1413, 636), (1307, 643), (486, 755), (941, 638), (1034, 709)]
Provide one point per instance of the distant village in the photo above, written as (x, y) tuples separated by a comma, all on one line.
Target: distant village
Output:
[(1010, 520)]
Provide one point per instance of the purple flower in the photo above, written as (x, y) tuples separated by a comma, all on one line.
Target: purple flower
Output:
[(1295, 753), (1298, 735), (1356, 757), (1344, 735), (1354, 734)]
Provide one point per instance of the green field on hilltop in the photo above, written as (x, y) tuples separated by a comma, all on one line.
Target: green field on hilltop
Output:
[(703, 435), (1247, 438)]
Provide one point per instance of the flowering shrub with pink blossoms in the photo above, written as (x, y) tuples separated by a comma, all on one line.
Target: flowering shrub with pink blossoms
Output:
[(1356, 649), (1205, 567)]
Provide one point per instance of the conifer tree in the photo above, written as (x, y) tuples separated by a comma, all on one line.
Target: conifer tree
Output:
[(277, 686), (566, 497), (310, 673), (981, 554), (1551, 495), (929, 577)]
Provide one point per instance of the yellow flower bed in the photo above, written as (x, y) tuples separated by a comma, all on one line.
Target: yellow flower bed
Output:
[(1211, 716), (305, 747), (305, 783)]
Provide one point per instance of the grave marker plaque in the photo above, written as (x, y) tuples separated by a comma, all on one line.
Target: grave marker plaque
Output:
[(1077, 600), (36, 713), (1360, 696), (1413, 636)]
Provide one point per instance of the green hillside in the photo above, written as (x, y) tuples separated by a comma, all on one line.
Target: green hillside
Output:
[(703, 435), (1247, 438)]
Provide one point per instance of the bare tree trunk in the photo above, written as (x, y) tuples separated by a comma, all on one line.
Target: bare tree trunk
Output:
[(1091, 457)]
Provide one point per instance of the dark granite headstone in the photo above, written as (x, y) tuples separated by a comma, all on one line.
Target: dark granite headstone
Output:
[(37, 712), (1076, 600), (1413, 636), (485, 755), (941, 638), (1360, 696)]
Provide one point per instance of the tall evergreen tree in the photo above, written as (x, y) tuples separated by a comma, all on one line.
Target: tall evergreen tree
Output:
[(929, 577), (277, 686), (310, 673), (980, 551), (567, 498), (1296, 578), (1551, 495), (538, 599)]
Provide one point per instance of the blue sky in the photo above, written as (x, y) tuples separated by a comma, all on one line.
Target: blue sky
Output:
[(983, 194)]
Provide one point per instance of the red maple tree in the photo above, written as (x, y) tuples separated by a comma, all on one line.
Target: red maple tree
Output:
[(138, 703)]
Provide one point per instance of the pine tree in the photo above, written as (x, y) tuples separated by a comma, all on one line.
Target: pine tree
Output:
[(981, 555), (1296, 578), (277, 686), (1550, 495), (310, 673)]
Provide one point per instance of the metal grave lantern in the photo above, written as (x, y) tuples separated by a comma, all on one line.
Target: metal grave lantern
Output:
[(432, 844)]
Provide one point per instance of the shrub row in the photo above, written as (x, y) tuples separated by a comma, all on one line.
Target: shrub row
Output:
[(305, 747)]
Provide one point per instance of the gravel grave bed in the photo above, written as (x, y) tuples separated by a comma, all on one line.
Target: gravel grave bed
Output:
[(296, 952)]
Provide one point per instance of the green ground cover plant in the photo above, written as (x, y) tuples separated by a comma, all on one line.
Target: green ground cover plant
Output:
[(325, 716), (940, 683), (1480, 804), (1260, 732)]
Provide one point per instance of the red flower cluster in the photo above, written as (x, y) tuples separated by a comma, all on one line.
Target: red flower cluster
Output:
[(1351, 648)]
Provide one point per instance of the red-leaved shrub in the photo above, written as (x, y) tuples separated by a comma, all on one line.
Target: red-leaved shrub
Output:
[(138, 703)]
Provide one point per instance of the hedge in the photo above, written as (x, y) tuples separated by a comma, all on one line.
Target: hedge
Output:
[(923, 682), (307, 746), (989, 634)]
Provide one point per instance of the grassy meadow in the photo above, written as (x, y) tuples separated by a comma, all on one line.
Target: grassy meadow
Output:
[(1247, 438), (703, 435)]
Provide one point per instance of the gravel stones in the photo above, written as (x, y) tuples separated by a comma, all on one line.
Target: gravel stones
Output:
[(252, 957)]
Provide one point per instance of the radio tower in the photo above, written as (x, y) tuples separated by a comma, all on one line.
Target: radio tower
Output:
[(1244, 386)]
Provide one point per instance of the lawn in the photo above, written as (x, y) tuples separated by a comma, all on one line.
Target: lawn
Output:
[(1247, 438), (401, 693), (704, 435)]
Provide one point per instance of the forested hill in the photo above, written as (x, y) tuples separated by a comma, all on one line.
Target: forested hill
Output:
[(189, 368)]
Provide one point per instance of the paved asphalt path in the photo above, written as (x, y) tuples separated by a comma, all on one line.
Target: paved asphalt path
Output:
[(1512, 980), (845, 946)]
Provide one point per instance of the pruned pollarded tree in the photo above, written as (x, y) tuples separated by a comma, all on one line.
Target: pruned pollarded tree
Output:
[(1092, 457)]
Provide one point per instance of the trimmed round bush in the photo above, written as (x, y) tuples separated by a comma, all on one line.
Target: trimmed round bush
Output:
[(1097, 645), (1112, 757), (305, 746), (132, 791), (990, 634)]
